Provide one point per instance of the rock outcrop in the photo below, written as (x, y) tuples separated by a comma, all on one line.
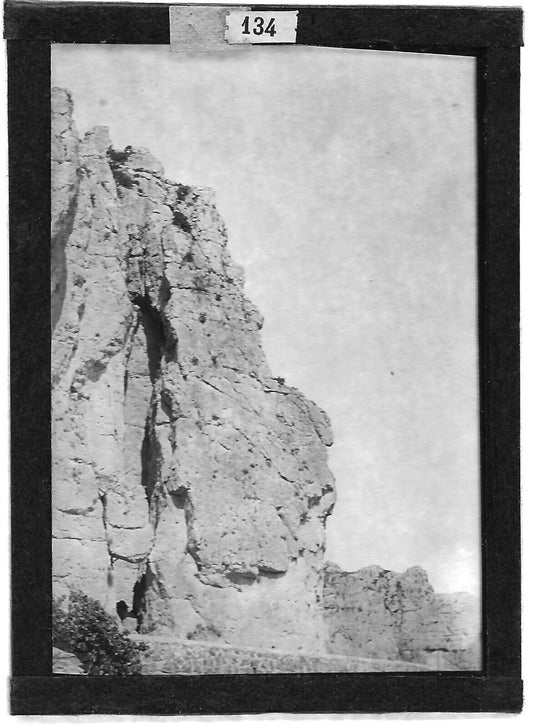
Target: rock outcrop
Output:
[(188, 482), (381, 614)]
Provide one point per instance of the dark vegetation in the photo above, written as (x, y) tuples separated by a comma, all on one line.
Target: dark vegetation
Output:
[(181, 221), (183, 191), (81, 625), (116, 161)]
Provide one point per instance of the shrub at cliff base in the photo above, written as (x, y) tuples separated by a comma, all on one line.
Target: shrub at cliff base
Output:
[(82, 626)]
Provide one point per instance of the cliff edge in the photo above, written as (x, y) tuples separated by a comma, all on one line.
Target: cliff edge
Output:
[(189, 485)]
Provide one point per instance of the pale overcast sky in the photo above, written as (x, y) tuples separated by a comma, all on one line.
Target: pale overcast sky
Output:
[(347, 182)]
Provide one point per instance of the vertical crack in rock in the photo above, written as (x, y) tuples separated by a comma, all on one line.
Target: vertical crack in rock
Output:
[(149, 471), (65, 186), (60, 236), (154, 331)]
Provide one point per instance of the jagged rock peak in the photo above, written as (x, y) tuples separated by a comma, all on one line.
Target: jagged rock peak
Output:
[(188, 482), (377, 613)]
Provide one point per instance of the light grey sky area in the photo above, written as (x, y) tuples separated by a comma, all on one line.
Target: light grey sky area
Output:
[(347, 180)]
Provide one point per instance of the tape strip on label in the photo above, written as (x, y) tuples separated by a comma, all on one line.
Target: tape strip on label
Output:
[(200, 29)]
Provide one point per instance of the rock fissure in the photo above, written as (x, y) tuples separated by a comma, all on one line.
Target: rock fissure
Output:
[(61, 232)]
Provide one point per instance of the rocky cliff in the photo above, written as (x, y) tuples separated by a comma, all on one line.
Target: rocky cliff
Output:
[(188, 482), (381, 614), (190, 486)]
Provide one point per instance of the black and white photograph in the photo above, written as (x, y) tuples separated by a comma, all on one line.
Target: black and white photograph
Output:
[(265, 400), (264, 359)]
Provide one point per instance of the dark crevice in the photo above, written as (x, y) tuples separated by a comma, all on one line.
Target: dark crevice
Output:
[(154, 330), (139, 597), (241, 579), (122, 610), (146, 480), (160, 339), (150, 454), (164, 290), (62, 232), (170, 342), (138, 608), (267, 573), (166, 405)]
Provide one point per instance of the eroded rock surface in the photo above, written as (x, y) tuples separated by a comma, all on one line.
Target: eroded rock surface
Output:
[(187, 480), (381, 614)]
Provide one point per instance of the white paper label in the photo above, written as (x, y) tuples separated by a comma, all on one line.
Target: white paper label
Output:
[(263, 27)]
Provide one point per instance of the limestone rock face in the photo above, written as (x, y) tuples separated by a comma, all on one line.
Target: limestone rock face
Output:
[(386, 615), (187, 481)]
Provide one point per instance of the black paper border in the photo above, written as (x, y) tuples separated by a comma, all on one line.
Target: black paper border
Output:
[(493, 35)]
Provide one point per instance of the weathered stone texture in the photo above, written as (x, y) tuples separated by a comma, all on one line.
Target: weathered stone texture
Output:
[(382, 614), (181, 468)]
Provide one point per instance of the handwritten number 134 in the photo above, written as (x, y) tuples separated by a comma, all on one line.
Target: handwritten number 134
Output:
[(259, 26)]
